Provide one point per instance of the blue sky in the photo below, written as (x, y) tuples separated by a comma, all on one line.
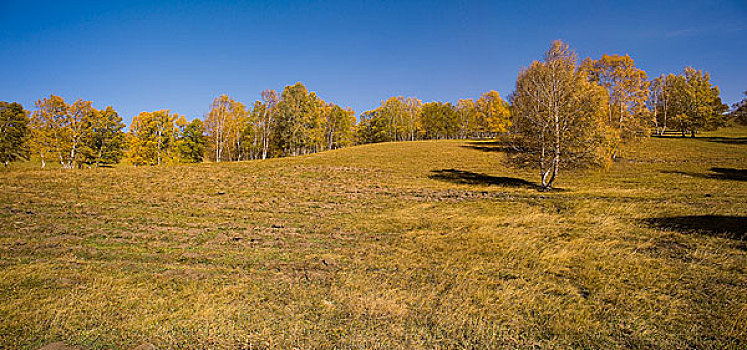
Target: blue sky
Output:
[(179, 55)]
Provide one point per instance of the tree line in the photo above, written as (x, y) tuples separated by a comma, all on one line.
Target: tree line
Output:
[(562, 113)]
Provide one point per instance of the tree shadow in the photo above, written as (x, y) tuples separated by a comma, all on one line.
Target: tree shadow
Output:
[(715, 173), (719, 139), (733, 227), (729, 174), (490, 146), (469, 178), (729, 140)]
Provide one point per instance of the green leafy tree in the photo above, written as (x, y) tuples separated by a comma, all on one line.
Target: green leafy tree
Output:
[(103, 140), (14, 132), (340, 127), (297, 113), (558, 116), (373, 127), (439, 120), (699, 104), (396, 119), (192, 142)]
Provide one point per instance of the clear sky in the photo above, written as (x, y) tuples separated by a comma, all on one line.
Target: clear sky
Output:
[(179, 55)]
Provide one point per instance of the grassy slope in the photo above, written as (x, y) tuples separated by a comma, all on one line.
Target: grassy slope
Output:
[(414, 245)]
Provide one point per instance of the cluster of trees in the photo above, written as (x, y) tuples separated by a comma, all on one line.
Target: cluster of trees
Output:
[(567, 114), (686, 102), (294, 123), (76, 134), (561, 114), (408, 119), (163, 137)]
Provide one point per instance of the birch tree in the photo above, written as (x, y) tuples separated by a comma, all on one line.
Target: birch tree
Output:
[(662, 103), (47, 123), (700, 104), (558, 116), (265, 119), (493, 113), (339, 126), (628, 89), (467, 118), (412, 113), (152, 138), (295, 113), (217, 125), (60, 129)]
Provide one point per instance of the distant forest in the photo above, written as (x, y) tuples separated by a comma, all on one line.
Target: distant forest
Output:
[(557, 95)]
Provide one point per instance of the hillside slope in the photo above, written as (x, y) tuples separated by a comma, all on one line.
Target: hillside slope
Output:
[(432, 244)]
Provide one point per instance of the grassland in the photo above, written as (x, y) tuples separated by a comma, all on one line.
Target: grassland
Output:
[(423, 245)]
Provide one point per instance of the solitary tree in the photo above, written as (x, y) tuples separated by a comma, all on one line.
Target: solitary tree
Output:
[(558, 116), (14, 133)]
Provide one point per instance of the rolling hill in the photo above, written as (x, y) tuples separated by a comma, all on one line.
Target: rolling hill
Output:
[(432, 244)]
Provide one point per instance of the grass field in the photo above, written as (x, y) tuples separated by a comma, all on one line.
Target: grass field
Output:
[(423, 245)]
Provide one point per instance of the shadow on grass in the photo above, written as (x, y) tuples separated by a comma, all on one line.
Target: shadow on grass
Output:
[(469, 178), (733, 227), (490, 146), (729, 140), (716, 173), (719, 139)]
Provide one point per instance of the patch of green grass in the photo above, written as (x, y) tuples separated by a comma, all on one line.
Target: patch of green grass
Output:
[(432, 244)]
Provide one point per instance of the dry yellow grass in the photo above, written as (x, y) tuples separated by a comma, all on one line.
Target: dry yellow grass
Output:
[(400, 245)]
